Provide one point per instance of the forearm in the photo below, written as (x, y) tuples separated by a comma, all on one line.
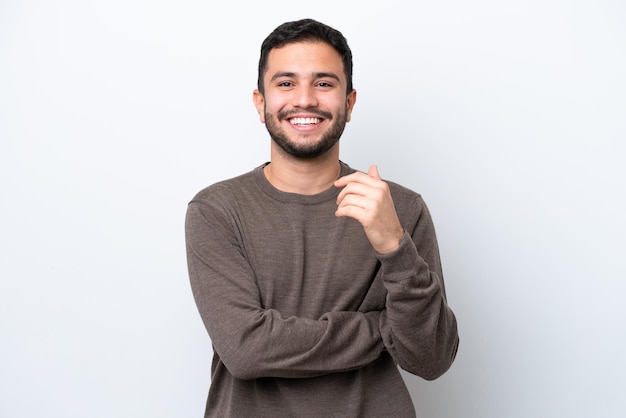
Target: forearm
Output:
[(418, 327), (271, 346), (253, 341)]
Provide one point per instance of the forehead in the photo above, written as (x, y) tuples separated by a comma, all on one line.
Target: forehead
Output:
[(303, 58)]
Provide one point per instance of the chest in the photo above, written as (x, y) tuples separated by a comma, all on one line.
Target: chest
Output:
[(308, 262)]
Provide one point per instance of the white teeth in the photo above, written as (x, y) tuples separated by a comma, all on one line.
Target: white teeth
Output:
[(305, 121)]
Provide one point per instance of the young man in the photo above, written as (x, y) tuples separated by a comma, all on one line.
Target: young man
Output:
[(315, 281)]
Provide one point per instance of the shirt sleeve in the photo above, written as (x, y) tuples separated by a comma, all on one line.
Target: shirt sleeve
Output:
[(253, 342), (418, 327)]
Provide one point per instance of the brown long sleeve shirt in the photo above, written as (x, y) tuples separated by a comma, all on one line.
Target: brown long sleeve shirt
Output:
[(305, 318)]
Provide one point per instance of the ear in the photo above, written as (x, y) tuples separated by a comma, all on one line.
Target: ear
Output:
[(350, 101), (259, 103)]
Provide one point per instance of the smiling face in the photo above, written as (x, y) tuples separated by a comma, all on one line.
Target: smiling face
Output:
[(305, 107)]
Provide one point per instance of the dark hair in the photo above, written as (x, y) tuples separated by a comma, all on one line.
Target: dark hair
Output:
[(302, 31)]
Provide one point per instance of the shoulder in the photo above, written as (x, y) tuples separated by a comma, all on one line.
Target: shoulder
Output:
[(404, 195), (227, 190), (409, 204)]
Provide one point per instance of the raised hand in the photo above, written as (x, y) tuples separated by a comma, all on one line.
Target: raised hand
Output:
[(366, 198)]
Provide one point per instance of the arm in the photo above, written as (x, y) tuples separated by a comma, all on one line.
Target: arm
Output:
[(418, 327), (255, 342)]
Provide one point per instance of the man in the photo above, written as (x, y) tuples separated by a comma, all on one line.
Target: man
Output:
[(315, 281)]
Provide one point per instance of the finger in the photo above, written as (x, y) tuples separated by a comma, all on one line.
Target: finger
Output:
[(356, 209), (353, 188), (373, 172), (357, 177), (353, 212), (356, 201), (354, 177)]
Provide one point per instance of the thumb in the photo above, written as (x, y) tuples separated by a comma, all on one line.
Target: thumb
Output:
[(373, 172)]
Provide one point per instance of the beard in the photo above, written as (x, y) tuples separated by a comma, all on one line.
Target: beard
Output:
[(306, 149)]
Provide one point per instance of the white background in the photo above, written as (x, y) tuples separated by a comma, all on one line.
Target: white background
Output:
[(509, 118)]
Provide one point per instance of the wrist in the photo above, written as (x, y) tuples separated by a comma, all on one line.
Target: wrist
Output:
[(391, 245)]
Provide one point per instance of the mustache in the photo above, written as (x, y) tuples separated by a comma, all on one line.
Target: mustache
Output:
[(312, 110)]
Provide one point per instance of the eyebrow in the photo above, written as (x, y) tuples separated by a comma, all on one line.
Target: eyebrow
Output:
[(315, 75)]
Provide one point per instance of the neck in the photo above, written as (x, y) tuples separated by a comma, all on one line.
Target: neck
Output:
[(307, 177)]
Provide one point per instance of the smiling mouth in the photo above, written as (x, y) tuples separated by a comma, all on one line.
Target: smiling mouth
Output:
[(305, 121)]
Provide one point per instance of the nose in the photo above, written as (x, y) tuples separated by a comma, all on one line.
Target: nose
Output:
[(304, 97)]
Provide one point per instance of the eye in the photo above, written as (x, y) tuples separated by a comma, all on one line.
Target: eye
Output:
[(324, 84), (285, 84)]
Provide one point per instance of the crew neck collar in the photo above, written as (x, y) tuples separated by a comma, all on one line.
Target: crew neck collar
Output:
[(287, 197)]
